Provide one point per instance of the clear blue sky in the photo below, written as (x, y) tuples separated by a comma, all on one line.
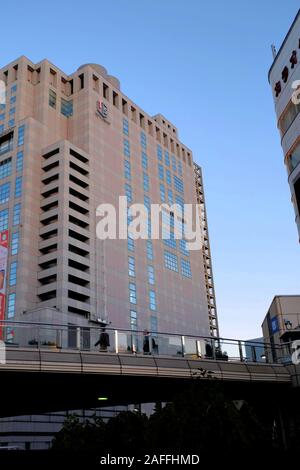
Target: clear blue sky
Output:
[(204, 66)]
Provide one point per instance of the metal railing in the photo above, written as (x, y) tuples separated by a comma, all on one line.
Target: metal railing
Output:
[(84, 338)]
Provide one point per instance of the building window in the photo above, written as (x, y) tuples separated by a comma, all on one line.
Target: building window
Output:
[(13, 89), (169, 240), (180, 168), (186, 268), (4, 192), (126, 148), (170, 196), (127, 170), (130, 242), (19, 164), (161, 172), (1, 128), (2, 117), (174, 167), (11, 123), (143, 141), (147, 203), (52, 99), (13, 99), (5, 168), (4, 219), (178, 184), (11, 304), (149, 250), (180, 202), (152, 300), (21, 134), (167, 158), (153, 325), (145, 182), (18, 189), (12, 111), (162, 193), (183, 248), (171, 261), (131, 266), (125, 126), (133, 320), (132, 293), (144, 161), (168, 177), (128, 192), (293, 159), (17, 214), (151, 276), (159, 153), (13, 274), (66, 107), (15, 243)]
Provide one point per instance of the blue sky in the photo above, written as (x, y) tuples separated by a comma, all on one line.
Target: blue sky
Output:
[(204, 66)]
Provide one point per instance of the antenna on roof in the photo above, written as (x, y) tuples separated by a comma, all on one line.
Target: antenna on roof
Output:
[(274, 52)]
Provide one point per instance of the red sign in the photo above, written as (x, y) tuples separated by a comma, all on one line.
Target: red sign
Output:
[(4, 238)]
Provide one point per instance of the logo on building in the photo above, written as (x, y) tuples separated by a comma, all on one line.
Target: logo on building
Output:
[(101, 109)]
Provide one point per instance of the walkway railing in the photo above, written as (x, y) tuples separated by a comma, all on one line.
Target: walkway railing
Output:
[(84, 338)]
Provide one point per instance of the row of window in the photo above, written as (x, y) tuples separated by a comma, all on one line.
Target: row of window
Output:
[(176, 165), (131, 270), (171, 262), (66, 106), (133, 298), (6, 166), (4, 217), (174, 147), (131, 259)]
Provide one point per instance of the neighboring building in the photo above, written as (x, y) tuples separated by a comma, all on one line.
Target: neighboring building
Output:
[(283, 74), (282, 322), (67, 144)]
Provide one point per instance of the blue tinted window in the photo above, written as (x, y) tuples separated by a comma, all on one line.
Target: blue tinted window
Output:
[(4, 219), (18, 189), (160, 172), (152, 300), (186, 268), (14, 243), (159, 153), (171, 261), (11, 304), (178, 184), (127, 170), (13, 274), (144, 161), (145, 182), (66, 107), (125, 126), (126, 148), (21, 132), (19, 165), (17, 214), (4, 192)]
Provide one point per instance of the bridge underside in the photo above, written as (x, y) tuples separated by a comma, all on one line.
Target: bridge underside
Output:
[(36, 381)]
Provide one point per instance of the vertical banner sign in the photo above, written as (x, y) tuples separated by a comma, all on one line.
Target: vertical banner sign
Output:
[(4, 237)]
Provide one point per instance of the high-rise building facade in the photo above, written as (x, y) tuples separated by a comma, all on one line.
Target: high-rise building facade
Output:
[(67, 144), (284, 76)]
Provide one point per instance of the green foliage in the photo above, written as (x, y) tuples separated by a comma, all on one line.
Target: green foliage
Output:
[(200, 419)]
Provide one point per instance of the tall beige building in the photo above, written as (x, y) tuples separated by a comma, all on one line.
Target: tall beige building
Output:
[(67, 144)]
